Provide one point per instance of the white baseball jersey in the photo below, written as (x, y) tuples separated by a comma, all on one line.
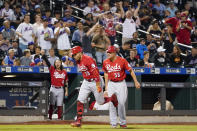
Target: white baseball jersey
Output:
[(27, 31), (129, 27), (62, 40), (43, 33), (7, 14), (36, 26)]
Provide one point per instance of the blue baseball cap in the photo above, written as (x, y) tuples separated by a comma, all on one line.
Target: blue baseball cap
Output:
[(31, 43), (37, 60), (37, 6)]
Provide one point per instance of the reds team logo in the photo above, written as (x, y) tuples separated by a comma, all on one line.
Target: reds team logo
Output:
[(58, 75), (113, 68), (82, 68)]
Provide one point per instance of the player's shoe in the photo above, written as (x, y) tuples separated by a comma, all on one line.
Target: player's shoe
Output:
[(76, 124), (113, 126), (123, 126), (114, 100)]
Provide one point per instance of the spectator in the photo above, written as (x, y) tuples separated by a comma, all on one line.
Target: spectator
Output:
[(4, 44), (152, 48), (134, 41), (184, 28), (18, 16), (100, 42), (8, 32), (7, 13), (9, 59), (194, 36), (25, 33), (37, 62), (157, 105), (78, 34), (132, 60), (141, 48), (31, 47), (145, 61), (160, 58), (56, 18), (17, 51), (172, 9), (130, 23), (26, 59), (174, 21), (154, 28), (47, 14), (168, 38), (67, 61), (45, 36), (88, 20), (176, 59), (17, 62), (37, 53), (71, 21), (160, 8), (52, 58), (86, 40), (37, 24), (191, 60), (91, 8), (61, 33), (124, 50)]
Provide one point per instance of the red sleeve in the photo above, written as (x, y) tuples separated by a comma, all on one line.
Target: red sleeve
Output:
[(91, 64), (51, 69), (103, 68), (127, 65), (66, 78), (189, 23)]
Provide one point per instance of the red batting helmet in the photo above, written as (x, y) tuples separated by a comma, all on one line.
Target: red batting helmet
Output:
[(76, 49), (111, 49)]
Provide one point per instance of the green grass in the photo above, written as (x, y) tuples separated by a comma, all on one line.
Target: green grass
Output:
[(97, 128)]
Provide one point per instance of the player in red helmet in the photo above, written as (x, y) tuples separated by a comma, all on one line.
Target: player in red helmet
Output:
[(92, 83), (114, 71)]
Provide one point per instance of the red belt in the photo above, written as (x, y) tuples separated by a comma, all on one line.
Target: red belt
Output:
[(90, 80), (116, 81), (57, 87)]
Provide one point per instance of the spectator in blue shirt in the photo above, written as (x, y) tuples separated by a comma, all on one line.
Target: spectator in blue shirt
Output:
[(78, 34), (141, 48), (172, 8), (9, 59), (160, 8), (69, 19)]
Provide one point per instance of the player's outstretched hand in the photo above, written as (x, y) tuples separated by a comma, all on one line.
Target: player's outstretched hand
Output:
[(137, 84)]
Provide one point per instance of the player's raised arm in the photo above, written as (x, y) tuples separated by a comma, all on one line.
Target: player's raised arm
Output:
[(44, 57)]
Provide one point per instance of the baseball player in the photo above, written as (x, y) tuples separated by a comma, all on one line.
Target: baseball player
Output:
[(92, 83), (59, 81), (114, 72)]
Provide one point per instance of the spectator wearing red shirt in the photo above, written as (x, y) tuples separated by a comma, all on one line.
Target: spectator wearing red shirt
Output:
[(183, 29), (174, 21)]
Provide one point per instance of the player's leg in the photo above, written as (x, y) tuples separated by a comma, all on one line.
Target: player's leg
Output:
[(60, 98), (52, 100), (112, 108), (82, 97), (122, 97)]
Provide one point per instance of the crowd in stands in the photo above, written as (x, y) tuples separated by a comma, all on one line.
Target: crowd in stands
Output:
[(29, 29)]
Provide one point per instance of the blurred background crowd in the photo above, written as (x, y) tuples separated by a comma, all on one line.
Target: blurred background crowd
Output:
[(148, 33)]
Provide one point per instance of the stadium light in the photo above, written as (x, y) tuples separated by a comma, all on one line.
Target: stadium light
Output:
[(9, 76)]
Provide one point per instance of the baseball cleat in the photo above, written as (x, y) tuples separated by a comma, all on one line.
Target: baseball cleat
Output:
[(76, 124), (114, 100), (113, 126), (123, 126)]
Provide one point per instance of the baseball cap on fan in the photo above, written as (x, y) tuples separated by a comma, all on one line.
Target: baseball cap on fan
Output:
[(111, 49), (76, 49)]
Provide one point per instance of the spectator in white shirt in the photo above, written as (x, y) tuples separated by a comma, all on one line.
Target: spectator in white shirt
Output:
[(45, 36), (38, 23), (91, 8), (7, 13), (25, 33), (52, 58), (61, 34)]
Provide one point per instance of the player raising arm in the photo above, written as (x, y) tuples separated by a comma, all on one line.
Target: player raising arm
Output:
[(92, 83), (59, 81), (114, 71)]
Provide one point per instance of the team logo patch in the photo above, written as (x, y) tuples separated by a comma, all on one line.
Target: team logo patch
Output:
[(93, 65)]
